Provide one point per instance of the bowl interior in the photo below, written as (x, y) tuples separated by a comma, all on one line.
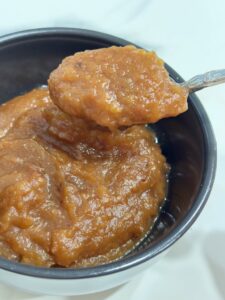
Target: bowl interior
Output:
[(26, 61)]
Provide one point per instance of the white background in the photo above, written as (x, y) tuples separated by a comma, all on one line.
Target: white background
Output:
[(190, 36)]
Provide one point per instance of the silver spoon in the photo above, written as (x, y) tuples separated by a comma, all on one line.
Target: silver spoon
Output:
[(202, 81)]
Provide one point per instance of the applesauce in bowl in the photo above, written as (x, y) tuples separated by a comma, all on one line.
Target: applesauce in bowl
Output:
[(186, 141)]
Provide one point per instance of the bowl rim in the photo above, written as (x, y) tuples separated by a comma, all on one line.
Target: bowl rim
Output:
[(205, 189)]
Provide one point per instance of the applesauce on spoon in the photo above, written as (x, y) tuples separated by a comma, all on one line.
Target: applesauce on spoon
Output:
[(116, 86)]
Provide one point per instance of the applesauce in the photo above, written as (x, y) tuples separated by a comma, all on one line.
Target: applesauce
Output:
[(73, 193), (116, 86)]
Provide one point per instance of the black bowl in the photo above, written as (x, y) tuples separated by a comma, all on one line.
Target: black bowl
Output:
[(187, 141)]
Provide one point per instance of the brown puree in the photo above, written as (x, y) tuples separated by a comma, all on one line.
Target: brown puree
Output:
[(116, 86), (73, 194)]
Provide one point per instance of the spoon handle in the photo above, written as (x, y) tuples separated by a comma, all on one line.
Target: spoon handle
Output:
[(202, 81)]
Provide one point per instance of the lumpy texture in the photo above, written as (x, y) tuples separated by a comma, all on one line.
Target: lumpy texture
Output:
[(73, 193), (116, 86)]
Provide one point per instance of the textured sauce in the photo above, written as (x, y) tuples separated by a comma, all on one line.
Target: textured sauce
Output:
[(73, 193), (116, 86)]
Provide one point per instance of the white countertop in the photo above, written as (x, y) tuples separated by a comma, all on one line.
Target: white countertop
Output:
[(190, 36)]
